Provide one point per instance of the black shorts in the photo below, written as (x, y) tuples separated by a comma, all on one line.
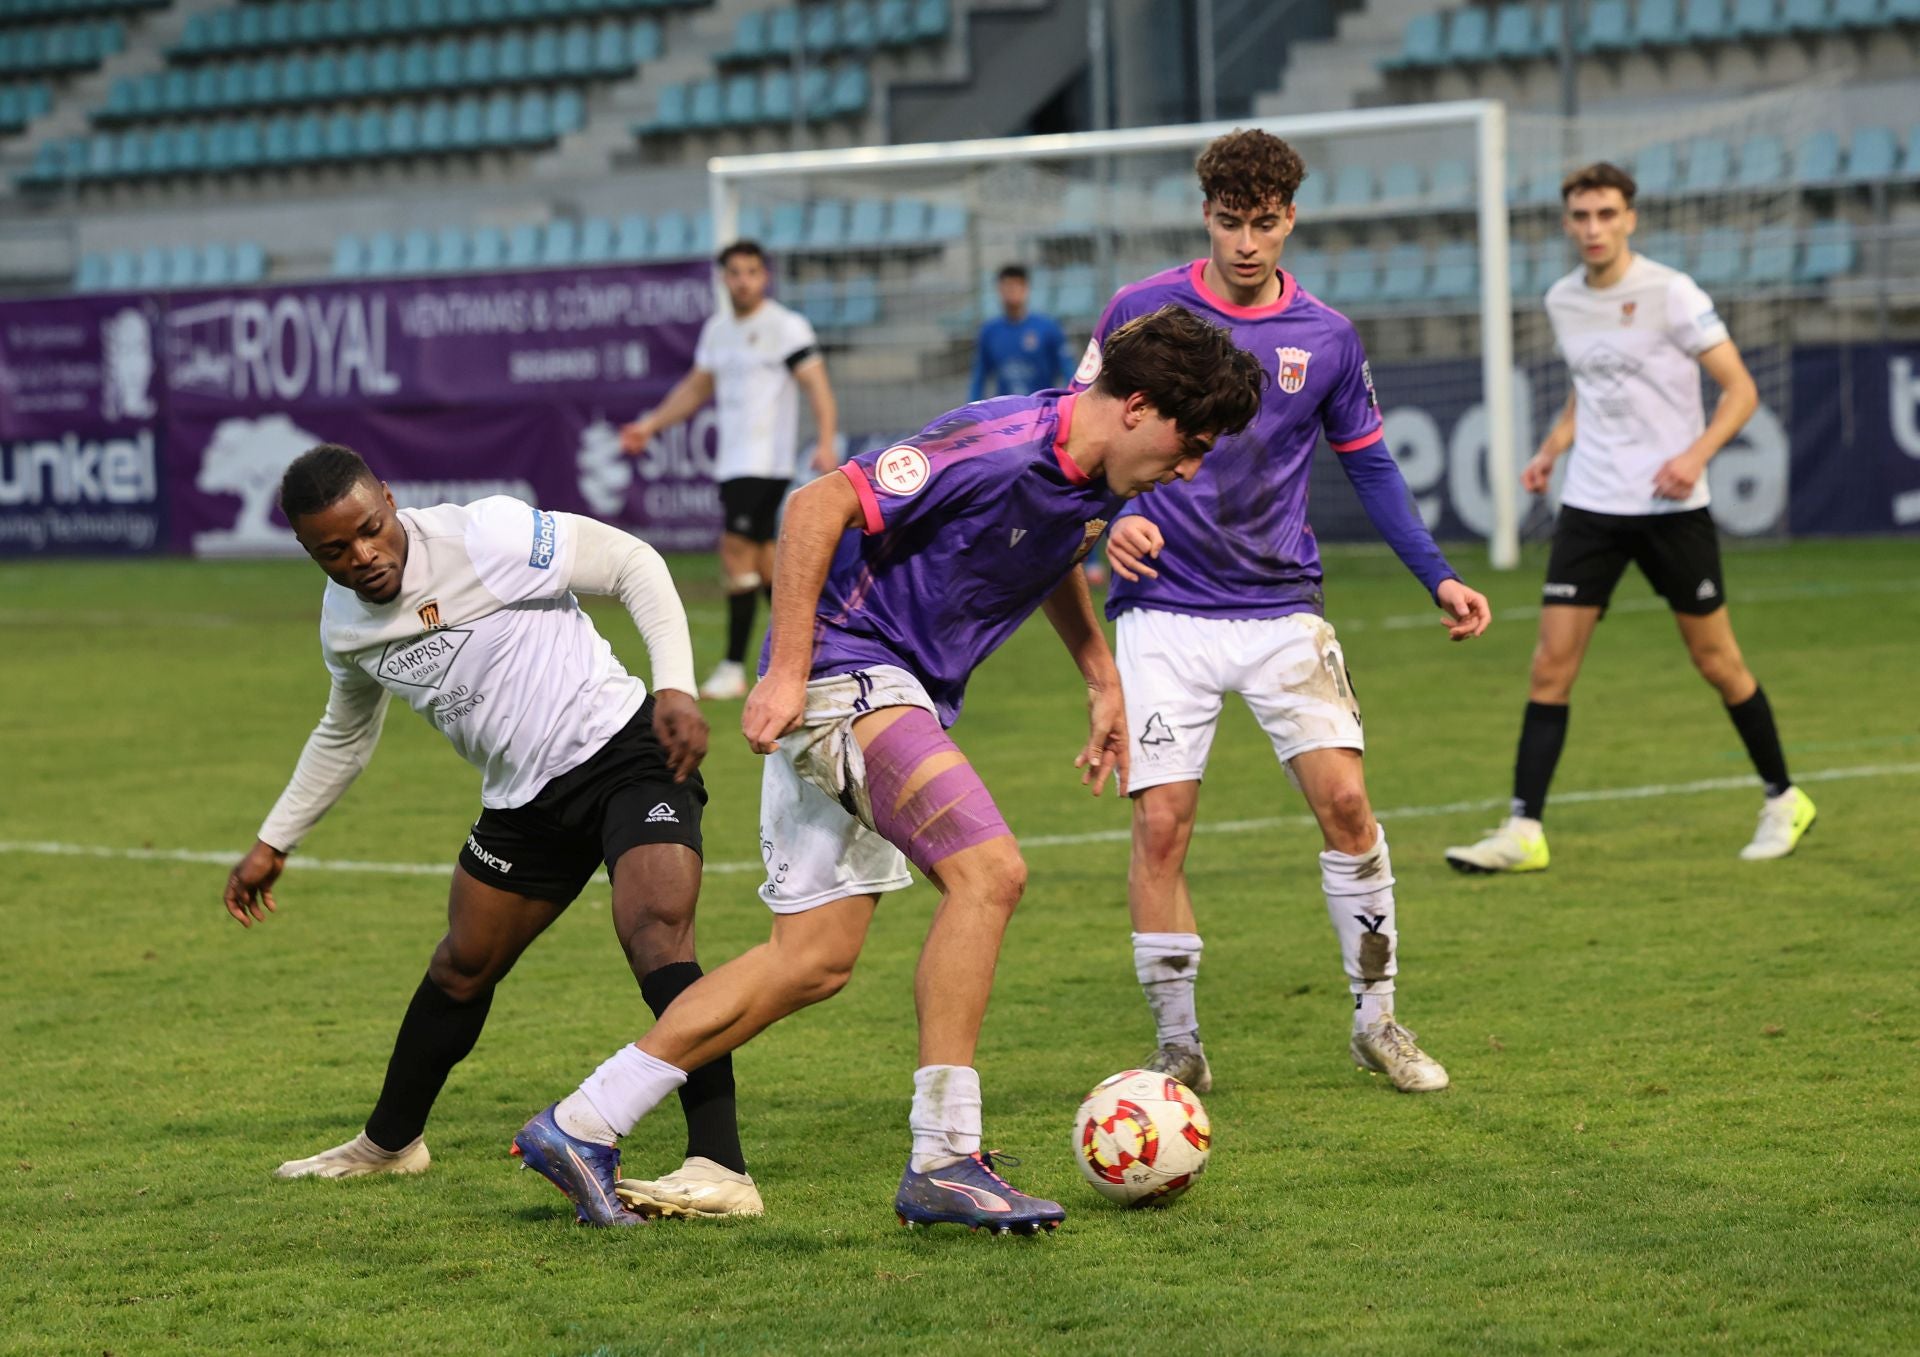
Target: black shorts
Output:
[(1678, 553), (620, 798), (750, 506)]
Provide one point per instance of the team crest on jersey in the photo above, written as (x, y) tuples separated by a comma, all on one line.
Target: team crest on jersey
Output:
[(1626, 312), (1293, 369), (1095, 526), (902, 470), (1089, 364), (429, 614)]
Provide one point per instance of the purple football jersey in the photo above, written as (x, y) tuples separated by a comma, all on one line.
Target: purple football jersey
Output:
[(1238, 541), (969, 526)]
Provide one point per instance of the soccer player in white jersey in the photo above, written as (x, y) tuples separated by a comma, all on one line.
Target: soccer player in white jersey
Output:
[(468, 613), (752, 360), (1635, 335), (1218, 590)]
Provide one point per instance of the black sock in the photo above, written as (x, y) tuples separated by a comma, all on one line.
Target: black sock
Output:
[(740, 623), (1754, 720), (713, 1130), (436, 1035), (1542, 733)]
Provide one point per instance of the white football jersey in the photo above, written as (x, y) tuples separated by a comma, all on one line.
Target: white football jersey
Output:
[(758, 402), (488, 643), (1633, 352)]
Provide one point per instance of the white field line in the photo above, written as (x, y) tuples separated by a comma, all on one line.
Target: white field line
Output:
[(47, 848), (1793, 593)]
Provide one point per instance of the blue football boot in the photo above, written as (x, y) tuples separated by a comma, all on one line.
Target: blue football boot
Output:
[(583, 1171), (970, 1193)]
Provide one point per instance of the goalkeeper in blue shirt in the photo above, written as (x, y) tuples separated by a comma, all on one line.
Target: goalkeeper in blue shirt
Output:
[(1019, 353)]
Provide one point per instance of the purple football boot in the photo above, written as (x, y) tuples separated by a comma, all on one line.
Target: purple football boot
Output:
[(583, 1171), (970, 1193)]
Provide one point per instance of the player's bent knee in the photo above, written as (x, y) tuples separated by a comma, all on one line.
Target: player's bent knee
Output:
[(462, 983), (1349, 817)]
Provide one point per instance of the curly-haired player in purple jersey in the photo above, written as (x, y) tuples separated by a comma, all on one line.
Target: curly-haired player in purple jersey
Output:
[(1232, 603), (898, 577)]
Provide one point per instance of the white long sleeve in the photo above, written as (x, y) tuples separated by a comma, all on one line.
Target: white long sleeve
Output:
[(335, 754), (614, 563)]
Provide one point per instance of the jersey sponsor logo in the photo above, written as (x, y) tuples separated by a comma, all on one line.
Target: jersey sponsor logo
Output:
[(662, 814), (422, 662), (493, 860), (1293, 369), (1366, 375), (902, 470), (1156, 731), (1090, 534), (1089, 363), (429, 615), (545, 540)]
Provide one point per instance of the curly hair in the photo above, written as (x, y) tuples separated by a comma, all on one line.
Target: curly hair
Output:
[(1189, 369), (1599, 175), (1248, 167)]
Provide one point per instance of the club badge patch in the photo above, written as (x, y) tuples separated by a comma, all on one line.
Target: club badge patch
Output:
[(1293, 369), (902, 470)]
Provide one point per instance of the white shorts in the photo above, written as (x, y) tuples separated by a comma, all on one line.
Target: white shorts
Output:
[(1175, 669), (816, 821)]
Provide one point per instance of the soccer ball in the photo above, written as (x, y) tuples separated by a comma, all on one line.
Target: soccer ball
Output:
[(1141, 1138)]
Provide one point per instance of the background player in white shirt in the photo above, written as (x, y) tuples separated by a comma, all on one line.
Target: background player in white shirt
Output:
[(752, 360), (1635, 335), (468, 613)]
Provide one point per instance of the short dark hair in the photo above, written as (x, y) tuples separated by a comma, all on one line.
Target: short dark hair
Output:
[(319, 477), (1248, 167), (744, 246), (1189, 369), (1013, 271), (1600, 174)]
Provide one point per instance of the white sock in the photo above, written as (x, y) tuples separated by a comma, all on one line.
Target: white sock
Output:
[(946, 1115), (1166, 964), (628, 1085), (1524, 826), (1359, 892)]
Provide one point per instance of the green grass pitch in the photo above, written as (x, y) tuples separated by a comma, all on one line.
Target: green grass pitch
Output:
[(1682, 1116)]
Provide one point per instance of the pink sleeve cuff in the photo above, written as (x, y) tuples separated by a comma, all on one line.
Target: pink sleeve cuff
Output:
[(1365, 440), (869, 503)]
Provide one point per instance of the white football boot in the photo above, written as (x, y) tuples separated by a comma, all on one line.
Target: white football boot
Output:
[(698, 1190), (358, 1158), (726, 683), (1385, 1047), (1783, 820), (1517, 846)]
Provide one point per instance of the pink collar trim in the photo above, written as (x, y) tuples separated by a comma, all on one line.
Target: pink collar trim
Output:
[(1197, 275), (1067, 464)]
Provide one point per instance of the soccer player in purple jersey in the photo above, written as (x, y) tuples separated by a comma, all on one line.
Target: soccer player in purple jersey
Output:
[(1232, 602), (897, 578)]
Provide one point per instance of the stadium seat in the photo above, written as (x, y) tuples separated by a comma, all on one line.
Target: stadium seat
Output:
[(850, 91), (349, 257), (816, 90), (561, 243), (867, 222), (532, 121), (1404, 276), (523, 246), (1422, 44), (1817, 159), (1656, 170), (931, 19), (1456, 273), (776, 95), (489, 249), (1355, 279), (1763, 163), (1663, 247), (1469, 40), (1806, 16), (91, 275), (468, 130), (383, 255), (340, 143), (633, 241), (1859, 15), (1910, 164), (1709, 166), (449, 250), (510, 59), (1076, 295), (1770, 258), (122, 269), (749, 37), (403, 131), (643, 41), (1719, 258), (814, 299), (827, 224), (1873, 155), (576, 52), (569, 112), (1705, 21), (948, 222), (1451, 184), (820, 30), (1311, 196), (416, 252), (1172, 202), (670, 112), (478, 64), (857, 32), (216, 264), (860, 302), (611, 54), (741, 102), (673, 237), (183, 266), (783, 33), (1082, 208), (151, 271), (706, 105), (1353, 186), (370, 135), (1513, 33), (1755, 19), (249, 262), (544, 54), (596, 241), (1400, 183), (1831, 252), (1609, 27), (785, 227)]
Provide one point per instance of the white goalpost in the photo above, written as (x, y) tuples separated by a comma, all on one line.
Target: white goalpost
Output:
[(1403, 225)]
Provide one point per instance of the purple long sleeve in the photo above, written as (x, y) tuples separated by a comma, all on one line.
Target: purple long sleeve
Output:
[(1383, 494)]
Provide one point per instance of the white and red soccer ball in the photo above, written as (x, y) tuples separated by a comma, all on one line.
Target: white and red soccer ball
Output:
[(1141, 1138)]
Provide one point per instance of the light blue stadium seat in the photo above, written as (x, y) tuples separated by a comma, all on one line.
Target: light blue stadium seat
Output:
[(1705, 21), (949, 222), (867, 222), (1720, 257), (489, 249), (1807, 16), (436, 126), (148, 93), (497, 127), (931, 19), (577, 52), (1356, 278), (820, 30), (569, 112), (786, 227), (416, 67), (523, 246), (1076, 295), (1873, 155), (596, 241), (1353, 186), (416, 252), (510, 59), (249, 262), (1831, 251), (203, 91), (561, 243), (543, 58), (383, 255), (860, 302), (216, 264), (1817, 159), (1404, 276), (468, 132), (323, 78), (122, 269), (644, 41), (1663, 247), (857, 33), (1755, 19), (370, 135), (449, 250), (1709, 166), (1456, 273), (1513, 33), (444, 68), (478, 63), (1656, 169), (189, 150), (706, 106), (814, 299), (749, 37), (702, 228), (1172, 200), (776, 95), (1422, 44), (1763, 163), (783, 33), (296, 81), (1451, 184), (1306, 267), (1770, 258), (402, 137), (1609, 27), (850, 91), (827, 224), (673, 237), (119, 103), (91, 275), (1400, 183), (130, 155), (195, 37), (532, 120), (183, 266), (610, 55), (750, 223), (263, 84), (151, 270), (670, 113), (280, 25), (1523, 263), (176, 92), (1082, 207), (741, 105), (220, 148), (634, 239), (349, 257), (1312, 194), (276, 142), (816, 91), (341, 142), (893, 23), (1469, 40), (1910, 164), (1858, 14), (310, 23)]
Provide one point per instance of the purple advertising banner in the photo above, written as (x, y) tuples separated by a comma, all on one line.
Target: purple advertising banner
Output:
[(81, 427)]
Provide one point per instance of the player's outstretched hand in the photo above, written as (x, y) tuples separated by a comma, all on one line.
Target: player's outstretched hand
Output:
[(1678, 476), (1536, 473), (681, 730), (634, 437), (1132, 543), (1468, 613), (1106, 750), (774, 707), (250, 884)]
